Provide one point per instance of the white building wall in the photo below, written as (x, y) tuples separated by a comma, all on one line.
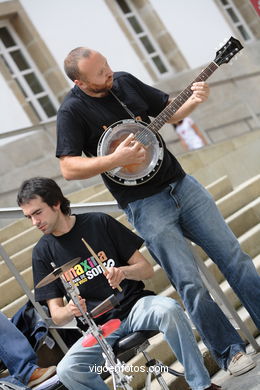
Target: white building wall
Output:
[(197, 26)]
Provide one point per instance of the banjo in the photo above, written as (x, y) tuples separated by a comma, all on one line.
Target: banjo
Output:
[(148, 134)]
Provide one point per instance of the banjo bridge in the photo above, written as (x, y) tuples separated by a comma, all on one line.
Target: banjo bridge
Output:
[(132, 174)]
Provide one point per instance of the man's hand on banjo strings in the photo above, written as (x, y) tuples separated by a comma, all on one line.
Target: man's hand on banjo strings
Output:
[(130, 151)]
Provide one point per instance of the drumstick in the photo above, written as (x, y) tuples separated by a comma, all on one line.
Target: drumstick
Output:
[(98, 260)]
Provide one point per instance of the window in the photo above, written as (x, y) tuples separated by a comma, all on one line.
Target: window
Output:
[(26, 75), (144, 40), (237, 19)]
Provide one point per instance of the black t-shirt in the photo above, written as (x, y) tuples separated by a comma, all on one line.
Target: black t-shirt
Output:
[(112, 242), (82, 118)]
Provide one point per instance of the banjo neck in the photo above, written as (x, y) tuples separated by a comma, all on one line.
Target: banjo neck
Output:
[(183, 96), (148, 135)]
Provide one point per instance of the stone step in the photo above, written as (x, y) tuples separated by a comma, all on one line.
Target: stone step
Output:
[(21, 261), (14, 306), (29, 235), (10, 290), (14, 229), (229, 292), (160, 350), (23, 234), (178, 383), (220, 187), (85, 193), (102, 196), (245, 218), (159, 281), (22, 224), (147, 255), (170, 292), (22, 240), (240, 197), (250, 242), (213, 268), (240, 222)]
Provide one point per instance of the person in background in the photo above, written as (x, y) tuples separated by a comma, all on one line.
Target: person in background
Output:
[(190, 136), (42, 201), (19, 357)]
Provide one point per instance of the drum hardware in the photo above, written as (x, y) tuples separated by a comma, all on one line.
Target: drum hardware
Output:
[(113, 365), (57, 272)]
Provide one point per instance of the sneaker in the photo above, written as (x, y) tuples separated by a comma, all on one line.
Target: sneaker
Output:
[(240, 363), (213, 387), (40, 375)]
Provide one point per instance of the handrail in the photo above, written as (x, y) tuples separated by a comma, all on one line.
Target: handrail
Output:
[(78, 208)]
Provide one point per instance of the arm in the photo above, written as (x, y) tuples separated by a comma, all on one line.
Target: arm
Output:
[(200, 134), (138, 268), (200, 94), (183, 143), (77, 167), (61, 314)]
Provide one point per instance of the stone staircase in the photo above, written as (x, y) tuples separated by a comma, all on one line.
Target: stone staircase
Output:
[(240, 207)]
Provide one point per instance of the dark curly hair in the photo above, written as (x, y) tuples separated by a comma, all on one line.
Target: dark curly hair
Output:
[(47, 189)]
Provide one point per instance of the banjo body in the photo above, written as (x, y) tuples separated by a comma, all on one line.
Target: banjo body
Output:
[(133, 174), (147, 134)]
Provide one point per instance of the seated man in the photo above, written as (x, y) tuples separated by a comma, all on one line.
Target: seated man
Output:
[(43, 202), (19, 357)]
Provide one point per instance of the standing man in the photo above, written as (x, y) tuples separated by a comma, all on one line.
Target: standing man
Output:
[(166, 209), (42, 201)]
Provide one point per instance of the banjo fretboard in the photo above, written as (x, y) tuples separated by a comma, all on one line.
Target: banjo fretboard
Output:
[(174, 106)]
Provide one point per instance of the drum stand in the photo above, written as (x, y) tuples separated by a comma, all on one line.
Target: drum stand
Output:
[(113, 366)]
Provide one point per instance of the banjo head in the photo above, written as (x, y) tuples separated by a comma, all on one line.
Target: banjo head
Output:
[(132, 174)]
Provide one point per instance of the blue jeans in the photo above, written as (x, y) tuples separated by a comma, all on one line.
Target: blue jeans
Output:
[(186, 209), (16, 353), (153, 313)]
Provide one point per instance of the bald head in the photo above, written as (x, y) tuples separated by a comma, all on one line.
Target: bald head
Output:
[(71, 61), (89, 70)]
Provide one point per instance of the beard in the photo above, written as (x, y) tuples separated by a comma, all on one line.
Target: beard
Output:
[(101, 89)]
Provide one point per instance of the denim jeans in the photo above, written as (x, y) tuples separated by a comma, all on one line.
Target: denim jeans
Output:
[(186, 209), (78, 369), (16, 353)]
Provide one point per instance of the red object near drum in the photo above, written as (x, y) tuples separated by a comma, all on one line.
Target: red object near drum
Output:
[(106, 329)]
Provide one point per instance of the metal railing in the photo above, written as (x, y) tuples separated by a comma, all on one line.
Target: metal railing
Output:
[(77, 208)]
